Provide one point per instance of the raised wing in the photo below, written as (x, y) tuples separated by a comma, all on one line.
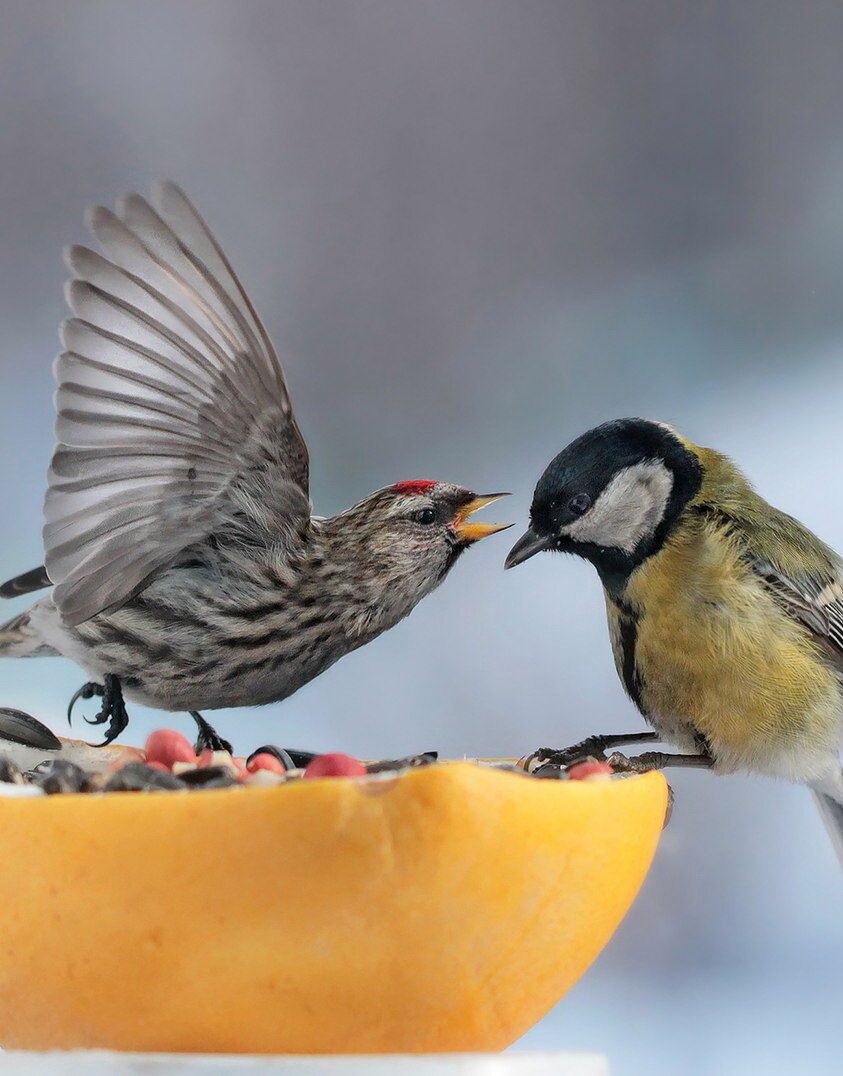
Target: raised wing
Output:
[(173, 415)]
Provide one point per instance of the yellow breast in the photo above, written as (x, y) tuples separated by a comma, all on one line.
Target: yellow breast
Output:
[(718, 656)]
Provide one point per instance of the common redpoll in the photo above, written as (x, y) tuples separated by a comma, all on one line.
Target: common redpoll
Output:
[(187, 569)]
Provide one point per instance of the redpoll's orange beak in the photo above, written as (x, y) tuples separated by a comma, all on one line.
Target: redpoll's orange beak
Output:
[(473, 532)]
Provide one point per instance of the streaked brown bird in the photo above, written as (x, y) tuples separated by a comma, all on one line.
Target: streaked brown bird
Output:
[(188, 572)]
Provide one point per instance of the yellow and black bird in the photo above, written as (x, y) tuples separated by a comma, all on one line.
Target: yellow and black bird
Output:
[(725, 614)]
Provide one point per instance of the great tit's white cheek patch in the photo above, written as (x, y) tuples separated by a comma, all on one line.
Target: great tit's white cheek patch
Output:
[(629, 508)]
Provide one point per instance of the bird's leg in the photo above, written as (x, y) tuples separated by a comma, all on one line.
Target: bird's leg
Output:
[(591, 747), (656, 760), (208, 736), (113, 708)]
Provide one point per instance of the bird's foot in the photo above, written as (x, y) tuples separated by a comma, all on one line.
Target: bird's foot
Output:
[(208, 738), (656, 760), (113, 707), (592, 747), (622, 763)]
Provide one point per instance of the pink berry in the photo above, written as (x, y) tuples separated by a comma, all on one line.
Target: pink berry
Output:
[(155, 765), (581, 770), (335, 765), (265, 762), (168, 746)]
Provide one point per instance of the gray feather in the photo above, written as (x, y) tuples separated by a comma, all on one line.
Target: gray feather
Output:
[(832, 815), (173, 415)]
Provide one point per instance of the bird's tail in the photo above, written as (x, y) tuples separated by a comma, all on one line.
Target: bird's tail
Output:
[(18, 639), (828, 794), (832, 814)]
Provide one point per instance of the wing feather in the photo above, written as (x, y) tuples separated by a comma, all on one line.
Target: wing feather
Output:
[(173, 415), (812, 593)]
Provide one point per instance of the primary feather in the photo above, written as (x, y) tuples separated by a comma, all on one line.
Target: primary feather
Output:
[(172, 409)]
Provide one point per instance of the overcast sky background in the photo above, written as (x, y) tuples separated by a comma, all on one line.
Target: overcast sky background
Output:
[(474, 229)]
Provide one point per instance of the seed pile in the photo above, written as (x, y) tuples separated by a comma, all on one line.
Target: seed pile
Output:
[(169, 763)]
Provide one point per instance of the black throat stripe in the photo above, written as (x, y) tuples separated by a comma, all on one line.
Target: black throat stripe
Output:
[(628, 624)]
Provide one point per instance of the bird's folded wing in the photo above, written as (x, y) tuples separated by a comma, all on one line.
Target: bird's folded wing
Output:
[(173, 416), (816, 600), (801, 572)]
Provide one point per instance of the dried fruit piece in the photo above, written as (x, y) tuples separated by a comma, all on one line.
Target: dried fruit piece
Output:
[(335, 764), (591, 767), (265, 761), (168, 747)]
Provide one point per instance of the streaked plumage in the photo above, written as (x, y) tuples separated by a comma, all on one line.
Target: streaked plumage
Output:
[(725, 614), (178, 529)]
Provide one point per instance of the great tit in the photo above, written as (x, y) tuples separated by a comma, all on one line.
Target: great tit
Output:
[(725, 614)]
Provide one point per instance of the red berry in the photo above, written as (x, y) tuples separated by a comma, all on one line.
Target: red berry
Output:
[(589, 769), (264, 762), (335, 765), (167, 746), (155, 765)]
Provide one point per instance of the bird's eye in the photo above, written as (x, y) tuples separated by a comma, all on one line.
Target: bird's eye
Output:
[(425, 516), (579, 504)]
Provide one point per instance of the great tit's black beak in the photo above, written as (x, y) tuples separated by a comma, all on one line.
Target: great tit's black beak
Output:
[(527, 546)]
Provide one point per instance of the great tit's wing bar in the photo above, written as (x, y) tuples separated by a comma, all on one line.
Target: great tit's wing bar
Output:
[(800, 571), (173, 417), (817, 602)]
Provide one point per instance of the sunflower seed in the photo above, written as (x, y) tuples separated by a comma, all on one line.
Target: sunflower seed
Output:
[(24, 729), (558, 773), (59, 775), (138, 777), (426, 758), (289, 759), (209, 777), (278, 753), (9, 772)]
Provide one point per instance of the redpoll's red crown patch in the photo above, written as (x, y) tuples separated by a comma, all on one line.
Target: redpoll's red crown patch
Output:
[(420, 485)]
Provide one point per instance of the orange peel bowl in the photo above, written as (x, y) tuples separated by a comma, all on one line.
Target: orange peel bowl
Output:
[(448, 909)]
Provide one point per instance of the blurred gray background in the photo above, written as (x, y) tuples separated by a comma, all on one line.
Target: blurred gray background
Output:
[(474, 229)]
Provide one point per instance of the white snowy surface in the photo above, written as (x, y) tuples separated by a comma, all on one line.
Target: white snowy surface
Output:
[(107, 1063)]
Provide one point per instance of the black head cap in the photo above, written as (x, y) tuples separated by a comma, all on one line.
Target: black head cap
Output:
[(574, 480)]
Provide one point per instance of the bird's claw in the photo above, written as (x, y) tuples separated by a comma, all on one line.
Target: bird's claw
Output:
[(208, 737), (591, 747), (113, 708), (86, 691), (622, 763)]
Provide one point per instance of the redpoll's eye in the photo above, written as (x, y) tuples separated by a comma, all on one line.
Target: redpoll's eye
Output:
[(425, 515), (580, 504)]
